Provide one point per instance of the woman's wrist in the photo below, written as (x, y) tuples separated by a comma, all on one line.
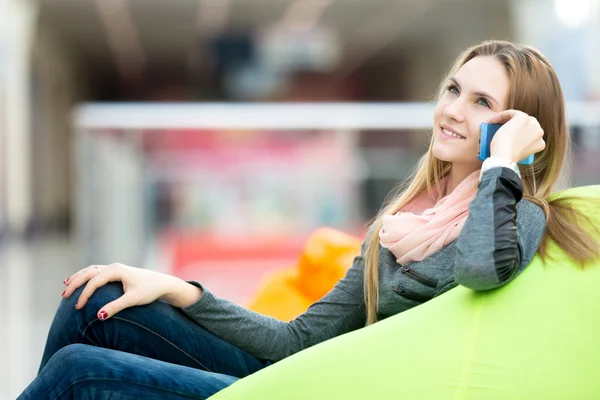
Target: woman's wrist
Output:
[(181, 294), (499, 152), (494, 162)]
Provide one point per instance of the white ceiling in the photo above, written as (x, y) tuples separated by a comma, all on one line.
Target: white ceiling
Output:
[(168, 29)]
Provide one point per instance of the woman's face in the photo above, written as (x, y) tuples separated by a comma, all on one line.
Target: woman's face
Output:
[(477, 92)]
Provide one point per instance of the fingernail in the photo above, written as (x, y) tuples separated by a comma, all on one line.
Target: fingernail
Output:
[(66, 281), (77, 305), (63, 293), (102, 315)]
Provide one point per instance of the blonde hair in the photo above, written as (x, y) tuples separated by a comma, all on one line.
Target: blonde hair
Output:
[(535, 90)]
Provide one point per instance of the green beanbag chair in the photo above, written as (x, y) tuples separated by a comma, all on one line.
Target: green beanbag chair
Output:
[(535, 338)]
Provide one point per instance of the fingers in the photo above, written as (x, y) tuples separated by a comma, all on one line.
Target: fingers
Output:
[(108, 274), (541, 145), (507, 115), (80, 278), (504, 116), (538, 133), (115, 306)]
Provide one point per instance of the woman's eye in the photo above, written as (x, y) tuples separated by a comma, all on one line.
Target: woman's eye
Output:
[(483, 102), (452, 89)]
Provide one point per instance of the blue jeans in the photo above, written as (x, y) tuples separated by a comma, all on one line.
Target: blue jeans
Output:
[(152, 351)]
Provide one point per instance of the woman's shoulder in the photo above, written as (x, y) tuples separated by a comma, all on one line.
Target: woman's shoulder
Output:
[(530, 214)]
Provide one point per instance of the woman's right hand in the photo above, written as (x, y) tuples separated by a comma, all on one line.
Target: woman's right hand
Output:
[(140, 287), (519, 137)]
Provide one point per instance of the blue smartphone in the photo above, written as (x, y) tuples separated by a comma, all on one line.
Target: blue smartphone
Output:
[(485, 139)]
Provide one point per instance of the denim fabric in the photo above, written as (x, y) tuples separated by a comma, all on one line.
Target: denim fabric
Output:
[(152, 351)]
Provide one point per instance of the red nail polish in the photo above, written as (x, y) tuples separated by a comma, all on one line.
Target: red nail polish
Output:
[(102, 315), (63, 292), (66, 281)]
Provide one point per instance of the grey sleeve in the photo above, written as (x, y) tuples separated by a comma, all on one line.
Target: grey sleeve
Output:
[(341, 310), (501, 234)]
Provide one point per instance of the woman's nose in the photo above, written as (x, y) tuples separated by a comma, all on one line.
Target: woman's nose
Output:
[(455, 110)]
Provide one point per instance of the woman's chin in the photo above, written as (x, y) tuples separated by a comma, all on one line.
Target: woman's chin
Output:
[(444, 156), (453, 156)]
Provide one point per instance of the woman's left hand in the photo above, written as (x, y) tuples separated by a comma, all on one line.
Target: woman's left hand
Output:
[(519, 137), (140, 287)]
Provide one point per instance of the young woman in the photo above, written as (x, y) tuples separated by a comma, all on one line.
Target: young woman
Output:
[(124, 331)]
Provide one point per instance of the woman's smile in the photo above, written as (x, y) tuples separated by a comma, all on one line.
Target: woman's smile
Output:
[(450, 134)]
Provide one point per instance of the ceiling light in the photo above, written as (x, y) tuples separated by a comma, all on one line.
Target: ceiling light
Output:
[(573, 13)]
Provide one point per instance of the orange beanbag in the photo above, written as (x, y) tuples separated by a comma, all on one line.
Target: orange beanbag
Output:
[(287, 293)]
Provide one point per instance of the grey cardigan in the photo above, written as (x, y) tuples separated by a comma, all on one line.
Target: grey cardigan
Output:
[(499, 239)]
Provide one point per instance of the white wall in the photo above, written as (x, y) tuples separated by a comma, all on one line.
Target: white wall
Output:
[(16, 20)]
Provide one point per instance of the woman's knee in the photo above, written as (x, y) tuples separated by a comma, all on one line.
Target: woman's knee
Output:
[(102, 295), (81, 370), (65, 368), (67, 316), (75, 361)]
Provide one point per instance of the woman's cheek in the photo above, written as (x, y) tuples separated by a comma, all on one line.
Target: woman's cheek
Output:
[(473, 148)]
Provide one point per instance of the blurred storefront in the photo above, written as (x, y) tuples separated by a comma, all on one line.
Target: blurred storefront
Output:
[(209, 182), (63, 53), (207, 50)]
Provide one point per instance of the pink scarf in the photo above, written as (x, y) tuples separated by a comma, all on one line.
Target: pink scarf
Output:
[(427, 224)]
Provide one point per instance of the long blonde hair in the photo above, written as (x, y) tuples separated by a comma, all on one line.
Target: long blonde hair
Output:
[(535, 90)]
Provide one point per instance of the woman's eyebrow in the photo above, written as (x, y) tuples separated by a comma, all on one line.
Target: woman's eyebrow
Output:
[(480, 94)]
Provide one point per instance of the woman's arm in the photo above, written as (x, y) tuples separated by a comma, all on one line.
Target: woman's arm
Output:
[(182, 294), (341, 310), (501, 235)]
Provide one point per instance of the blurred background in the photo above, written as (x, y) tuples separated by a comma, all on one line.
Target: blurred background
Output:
[(209, 138)]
